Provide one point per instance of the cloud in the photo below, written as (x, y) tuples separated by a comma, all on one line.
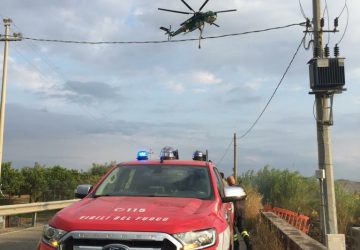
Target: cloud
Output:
[(175, 87), (76, 141), (256, 83), (23, 122), (53, 90), (32, 80), (88, 92), (244, 100), (199, 91), (206, 78)]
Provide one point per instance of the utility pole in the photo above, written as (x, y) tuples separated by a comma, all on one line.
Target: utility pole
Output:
[(5, 39), (323, 132), (235, 160), (324, 120)]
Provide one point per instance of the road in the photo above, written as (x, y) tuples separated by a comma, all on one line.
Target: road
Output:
[(26, 239)]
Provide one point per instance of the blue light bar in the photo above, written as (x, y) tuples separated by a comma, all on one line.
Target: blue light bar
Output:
[(142, 155)]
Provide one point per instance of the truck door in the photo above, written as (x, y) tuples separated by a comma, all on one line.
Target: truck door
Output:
[(227, 210)]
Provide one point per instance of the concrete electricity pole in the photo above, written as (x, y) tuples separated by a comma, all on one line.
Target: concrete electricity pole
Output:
[(323, 99), (5, 39), (235, 160)]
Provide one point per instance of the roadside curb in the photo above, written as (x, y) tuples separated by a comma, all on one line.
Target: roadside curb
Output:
[(17, 229)]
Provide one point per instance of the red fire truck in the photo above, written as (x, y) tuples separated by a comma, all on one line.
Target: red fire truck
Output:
[(149, 204)]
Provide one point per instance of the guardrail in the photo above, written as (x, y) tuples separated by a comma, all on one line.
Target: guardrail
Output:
[(299, 221), (33, 208), (293, 238)]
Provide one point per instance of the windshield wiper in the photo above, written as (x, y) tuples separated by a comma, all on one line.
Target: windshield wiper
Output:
[(101, 195)]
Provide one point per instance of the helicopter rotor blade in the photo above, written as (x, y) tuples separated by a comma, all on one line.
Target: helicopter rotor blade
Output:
[(215, 25), (222, 11), (187, 5), (176, 11), (202, 6)]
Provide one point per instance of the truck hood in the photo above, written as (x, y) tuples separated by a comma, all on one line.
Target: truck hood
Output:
[(145, 214)]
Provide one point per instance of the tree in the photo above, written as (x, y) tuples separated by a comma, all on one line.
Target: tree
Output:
[(61, 183), (11, 180), (96, 172), (100, 169), (34, 181)]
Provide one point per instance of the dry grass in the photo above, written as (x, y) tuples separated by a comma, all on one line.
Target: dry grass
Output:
[(261, 236), (265, 238), (23, 199), (253, 207)]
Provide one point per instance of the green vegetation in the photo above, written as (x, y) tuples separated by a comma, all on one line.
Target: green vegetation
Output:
[(11, 180), (41, 183), (291, 190), (280, 188), (285, 189)]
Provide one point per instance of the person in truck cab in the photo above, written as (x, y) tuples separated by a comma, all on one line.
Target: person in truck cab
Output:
[(223, 179), (239, 219)]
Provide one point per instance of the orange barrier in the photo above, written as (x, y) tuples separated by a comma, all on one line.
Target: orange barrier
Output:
[(299, 221)]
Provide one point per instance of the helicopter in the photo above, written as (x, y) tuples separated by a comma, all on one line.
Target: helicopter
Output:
[(197, 21)]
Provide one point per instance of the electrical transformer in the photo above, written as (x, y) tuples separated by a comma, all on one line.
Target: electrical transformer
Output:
[(327, 73)]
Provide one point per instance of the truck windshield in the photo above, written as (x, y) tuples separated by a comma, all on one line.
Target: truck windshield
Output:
[(157, 181)]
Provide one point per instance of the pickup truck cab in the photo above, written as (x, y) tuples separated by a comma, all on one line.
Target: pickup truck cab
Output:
[(148, 204)]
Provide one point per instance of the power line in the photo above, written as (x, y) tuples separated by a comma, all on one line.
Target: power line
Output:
[(160, 41), (347, 20), (326, 10), (302, 10), (225, 153), (276, 89), (267, 104), (342, 10)]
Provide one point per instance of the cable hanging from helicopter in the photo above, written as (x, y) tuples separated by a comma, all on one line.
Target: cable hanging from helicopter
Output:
[(197, 21)]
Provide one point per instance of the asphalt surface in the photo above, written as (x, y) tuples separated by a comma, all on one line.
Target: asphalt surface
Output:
[(26, 239)]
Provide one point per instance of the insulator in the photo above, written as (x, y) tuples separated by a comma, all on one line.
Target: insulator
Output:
[(336, 51), (327, 51), (336, 22), (308, 23), (316, 52), (322, 22)]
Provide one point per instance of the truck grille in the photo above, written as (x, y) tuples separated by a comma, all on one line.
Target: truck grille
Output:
[(108, 240)]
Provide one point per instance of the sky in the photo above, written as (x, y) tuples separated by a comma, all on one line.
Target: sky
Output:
[(77, 104)]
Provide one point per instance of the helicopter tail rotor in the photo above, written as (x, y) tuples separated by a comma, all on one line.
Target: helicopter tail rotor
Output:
[(167, 31)]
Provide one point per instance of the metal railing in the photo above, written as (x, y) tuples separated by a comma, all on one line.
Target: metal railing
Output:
[(33, 208), (292, 237)]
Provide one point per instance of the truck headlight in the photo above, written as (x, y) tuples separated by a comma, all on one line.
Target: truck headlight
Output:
[(197, 239), (52, 235)]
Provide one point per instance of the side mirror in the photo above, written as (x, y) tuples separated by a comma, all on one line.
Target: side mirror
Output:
[(233, 194), (82, 190)]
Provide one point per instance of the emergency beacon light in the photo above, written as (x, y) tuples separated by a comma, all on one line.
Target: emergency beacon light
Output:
[(142, 155)]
